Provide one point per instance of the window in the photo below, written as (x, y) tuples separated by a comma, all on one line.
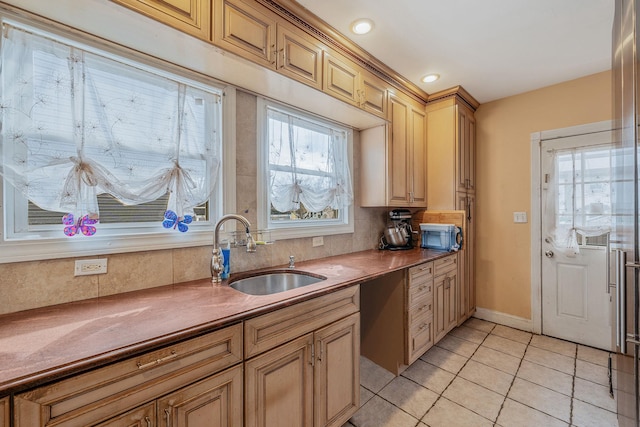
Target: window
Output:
[(304, 165), (97, 146)]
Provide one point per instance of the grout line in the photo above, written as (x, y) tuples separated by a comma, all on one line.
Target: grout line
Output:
[(515, 375), (573, 386)]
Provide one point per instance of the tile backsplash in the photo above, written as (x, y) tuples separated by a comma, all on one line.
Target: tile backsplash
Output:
[(33, 284)]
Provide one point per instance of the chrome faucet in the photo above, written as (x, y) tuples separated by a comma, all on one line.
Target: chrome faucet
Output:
[(216, 259), (292, 261)]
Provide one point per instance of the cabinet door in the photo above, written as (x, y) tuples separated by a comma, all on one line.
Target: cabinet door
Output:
[(465, 149), (144, 416), (445, 315), (470, 269), (246, 31), (212, 402), (4, 412), (418, 193), (190, 16), (439, 309), (420, 337), (398, 153), (337, 373), (299, 56), (341, 78), (466, 279), (451, 300), (373, 95), (279, 386)]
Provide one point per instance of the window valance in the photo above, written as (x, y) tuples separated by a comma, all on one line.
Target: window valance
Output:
[(77, 123), (307, 164)]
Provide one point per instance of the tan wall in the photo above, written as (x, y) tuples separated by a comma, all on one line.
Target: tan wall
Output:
[(504, 127)]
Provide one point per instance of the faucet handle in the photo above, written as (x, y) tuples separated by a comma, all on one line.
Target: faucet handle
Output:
[(292, 261)]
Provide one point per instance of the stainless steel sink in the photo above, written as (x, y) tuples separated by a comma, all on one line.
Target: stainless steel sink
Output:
[(272, 283)]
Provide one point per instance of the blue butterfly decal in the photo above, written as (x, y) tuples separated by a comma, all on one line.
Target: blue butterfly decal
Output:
[(172, 221)]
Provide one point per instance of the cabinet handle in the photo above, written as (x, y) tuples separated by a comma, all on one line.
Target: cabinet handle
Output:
[(167, 417), (173, 354), (423, 307), (422, 288), (424, 325), (447, 283), (321, 351), (148, 421)]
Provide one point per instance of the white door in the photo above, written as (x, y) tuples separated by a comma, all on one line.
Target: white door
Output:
[(576, 218)]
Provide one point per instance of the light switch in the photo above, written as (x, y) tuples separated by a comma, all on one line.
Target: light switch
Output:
[(520, 217)]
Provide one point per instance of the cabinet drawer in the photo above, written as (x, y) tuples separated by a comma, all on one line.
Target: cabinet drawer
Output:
[(422, 272), (270, 330), (420, 339), (89, 398), (420, 291), (422, 309), (445, 265)]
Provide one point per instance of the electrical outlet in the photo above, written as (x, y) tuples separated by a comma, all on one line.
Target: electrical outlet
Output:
[(87, 267), (318, 241)]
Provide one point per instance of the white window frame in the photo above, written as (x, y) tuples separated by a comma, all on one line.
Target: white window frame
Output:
[(41, 242), (280, 230)]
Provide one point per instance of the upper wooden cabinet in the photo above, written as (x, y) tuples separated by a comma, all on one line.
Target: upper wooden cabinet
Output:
[(246, 30), (450, 152), (374, 94), (190, 16), (299, 56), (341, 78), (466, 148), (393, 158)]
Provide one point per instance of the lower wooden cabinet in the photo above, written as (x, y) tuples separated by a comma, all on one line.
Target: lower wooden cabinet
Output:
[(212, 402), (4, 412), (337, 372), (419, 324), (445, 295), (308, 380), (141, 390), (144, 416)]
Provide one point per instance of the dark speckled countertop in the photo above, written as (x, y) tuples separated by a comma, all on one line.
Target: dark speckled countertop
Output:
[(45, 344)]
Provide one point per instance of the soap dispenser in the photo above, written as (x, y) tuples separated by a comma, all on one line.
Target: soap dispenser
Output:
[(226, 266)]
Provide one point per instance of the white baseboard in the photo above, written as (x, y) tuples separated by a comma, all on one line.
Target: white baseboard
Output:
[(504, 319)]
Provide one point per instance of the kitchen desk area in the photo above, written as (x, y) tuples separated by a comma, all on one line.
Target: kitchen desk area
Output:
[(209, 328)]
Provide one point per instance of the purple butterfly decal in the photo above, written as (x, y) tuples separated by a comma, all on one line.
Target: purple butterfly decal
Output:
[(172, 221), (84, 225)]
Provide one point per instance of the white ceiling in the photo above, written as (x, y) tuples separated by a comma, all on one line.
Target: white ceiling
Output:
[(493, 48)]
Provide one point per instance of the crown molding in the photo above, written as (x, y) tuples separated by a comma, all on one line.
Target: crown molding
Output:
[(296, 14)]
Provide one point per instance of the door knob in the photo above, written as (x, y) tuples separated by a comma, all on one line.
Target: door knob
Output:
[(549, 254)]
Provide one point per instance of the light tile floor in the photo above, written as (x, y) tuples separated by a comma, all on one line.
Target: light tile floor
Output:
[(483, 374)]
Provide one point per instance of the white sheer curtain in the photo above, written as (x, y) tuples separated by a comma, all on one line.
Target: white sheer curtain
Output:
[(308, 164), (579, 195), (76, 124)]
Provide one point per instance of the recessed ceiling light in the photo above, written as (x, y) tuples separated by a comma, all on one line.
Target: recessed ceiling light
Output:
[(430, 78), (362, 26)]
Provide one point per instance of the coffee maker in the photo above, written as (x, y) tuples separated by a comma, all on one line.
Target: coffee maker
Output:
[(398, 234)]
